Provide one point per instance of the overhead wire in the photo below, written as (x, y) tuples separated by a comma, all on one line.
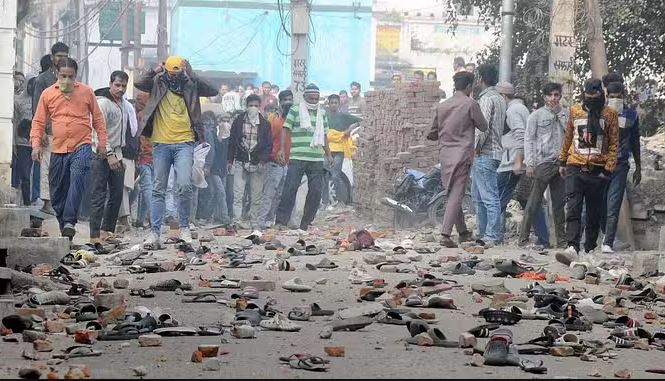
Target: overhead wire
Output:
[(73, 27), (101, 38)]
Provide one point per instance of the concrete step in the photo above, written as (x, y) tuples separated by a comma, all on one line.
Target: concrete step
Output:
[(24, 251)]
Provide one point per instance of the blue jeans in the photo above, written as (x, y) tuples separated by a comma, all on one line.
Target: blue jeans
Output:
[(507, 182), (486, 198), (335, 175), (273, 184), (614, 198), (146, 174), (67, 180), (216, 206), (181, 156)]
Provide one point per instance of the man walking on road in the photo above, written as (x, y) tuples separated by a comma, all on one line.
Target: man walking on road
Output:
[(59, 51), (250, 147), (455, 125), (275, 175), (108, 172), (484, 178), (511, 168), (629, 144), (171, 119), (587, 159), (70, 105), (307, 123), (542, 141)]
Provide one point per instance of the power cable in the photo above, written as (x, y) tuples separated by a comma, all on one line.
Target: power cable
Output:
[(54, 33), (101, 38)]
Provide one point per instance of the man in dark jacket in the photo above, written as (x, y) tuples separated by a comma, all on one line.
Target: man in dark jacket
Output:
[(171, 119), (250, 148), (218, 131), (45, 79)]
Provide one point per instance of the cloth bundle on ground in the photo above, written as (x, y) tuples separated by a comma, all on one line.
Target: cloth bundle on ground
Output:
[(360, 239)]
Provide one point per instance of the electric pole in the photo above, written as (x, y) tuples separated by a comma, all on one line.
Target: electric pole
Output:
[(505, 61), (124, 27), (299, 46), (162, 52), (596, 42), (137, 35), (83, 41)]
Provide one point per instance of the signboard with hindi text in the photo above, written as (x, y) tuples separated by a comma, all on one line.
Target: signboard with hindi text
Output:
[(562, 47)]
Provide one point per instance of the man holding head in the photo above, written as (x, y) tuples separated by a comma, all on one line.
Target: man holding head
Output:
[(172, 119)]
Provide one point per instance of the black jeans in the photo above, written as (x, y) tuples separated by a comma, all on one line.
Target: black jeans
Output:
[(102, 178), (583, 187), (314, 172), (22, 168)]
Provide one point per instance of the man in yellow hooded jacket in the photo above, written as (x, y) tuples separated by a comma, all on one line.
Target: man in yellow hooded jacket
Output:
[(339, 140)]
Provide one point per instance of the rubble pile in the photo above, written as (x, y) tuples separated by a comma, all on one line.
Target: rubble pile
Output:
[(395, 125)]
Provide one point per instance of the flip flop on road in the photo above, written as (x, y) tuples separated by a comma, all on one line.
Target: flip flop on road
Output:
[(499, 350), (170, 285), (317, 311), (77, 351), (499, 316), (203, 298), (533, 367), (438, 339), (483, 330), (142, 292), (352, 324)]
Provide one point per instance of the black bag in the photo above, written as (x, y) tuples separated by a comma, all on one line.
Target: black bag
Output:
[(131, 149)]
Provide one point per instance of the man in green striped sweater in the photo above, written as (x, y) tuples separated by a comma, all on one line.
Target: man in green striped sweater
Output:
[(307, 124)]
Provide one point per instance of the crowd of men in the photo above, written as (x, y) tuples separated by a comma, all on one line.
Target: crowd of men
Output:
[(581, 154), (184, 151), (181, 151)]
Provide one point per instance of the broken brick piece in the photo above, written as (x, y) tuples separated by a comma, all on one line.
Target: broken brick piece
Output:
[(209, 350), (197, 356), (85, 336), (335, 351)]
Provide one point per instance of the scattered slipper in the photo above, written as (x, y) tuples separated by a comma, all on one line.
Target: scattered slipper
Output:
[(533, 367), (483, 330), (279, 323), (296, 285), (499, 316), (317, 311), (170, 285), (77, 351), (351, 324), (203, 298)]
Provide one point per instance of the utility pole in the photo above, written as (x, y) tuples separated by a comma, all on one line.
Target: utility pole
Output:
[(505, 61), (83, 41), (299, 46), (595, 41), (162, 36), (137, 35), (124, 27)]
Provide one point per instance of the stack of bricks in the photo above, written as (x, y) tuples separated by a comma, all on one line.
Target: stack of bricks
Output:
[(393, 137)]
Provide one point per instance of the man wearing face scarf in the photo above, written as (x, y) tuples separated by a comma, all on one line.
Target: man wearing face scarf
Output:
[(250, 147), (172, 119), (273, 180), (629, 145), (307, 123), (587, 159)]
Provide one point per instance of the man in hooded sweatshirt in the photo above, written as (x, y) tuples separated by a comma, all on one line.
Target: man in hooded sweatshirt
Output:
[(108, 172), (588, 158)]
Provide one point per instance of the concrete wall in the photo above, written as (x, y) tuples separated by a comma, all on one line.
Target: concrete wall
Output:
[(7, 49)]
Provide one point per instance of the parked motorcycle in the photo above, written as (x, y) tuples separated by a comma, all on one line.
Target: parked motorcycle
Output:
[(420, 193)]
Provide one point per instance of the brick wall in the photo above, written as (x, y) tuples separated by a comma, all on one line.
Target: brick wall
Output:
[(393, 137)]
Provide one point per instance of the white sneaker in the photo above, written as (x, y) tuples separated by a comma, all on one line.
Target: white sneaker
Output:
[(571, 250), (186, 235), (607, 249), (152, 240)]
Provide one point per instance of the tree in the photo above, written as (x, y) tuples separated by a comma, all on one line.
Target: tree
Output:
[(633, 30)]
